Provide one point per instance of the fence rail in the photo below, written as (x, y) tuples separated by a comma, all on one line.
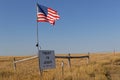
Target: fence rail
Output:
[(25, 59), (64, 57)]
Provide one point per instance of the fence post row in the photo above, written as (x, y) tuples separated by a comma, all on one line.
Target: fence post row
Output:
[(64, 57)]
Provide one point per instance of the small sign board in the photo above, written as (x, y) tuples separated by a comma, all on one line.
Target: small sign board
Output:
[(46, 59)]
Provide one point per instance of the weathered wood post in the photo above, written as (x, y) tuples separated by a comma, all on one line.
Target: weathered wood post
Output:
[(88, 58), (62, 65), (69, 61), (14, 64)]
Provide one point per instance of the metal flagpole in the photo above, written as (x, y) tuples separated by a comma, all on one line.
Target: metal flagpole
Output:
[(37, 45)]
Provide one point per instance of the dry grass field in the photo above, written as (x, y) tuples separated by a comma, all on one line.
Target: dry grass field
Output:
[(102, 66)]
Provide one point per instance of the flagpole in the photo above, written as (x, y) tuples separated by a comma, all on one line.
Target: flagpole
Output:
[(37, 45)]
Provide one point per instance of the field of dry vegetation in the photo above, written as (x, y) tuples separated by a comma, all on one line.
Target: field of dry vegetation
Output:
[(102, 66)]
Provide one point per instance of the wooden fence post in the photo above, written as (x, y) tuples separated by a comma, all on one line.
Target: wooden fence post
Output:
[(69, 61), (88, 59), (14, 64), (62, 65)]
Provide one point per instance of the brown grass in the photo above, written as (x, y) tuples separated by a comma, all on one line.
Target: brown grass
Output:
[(101, 67)]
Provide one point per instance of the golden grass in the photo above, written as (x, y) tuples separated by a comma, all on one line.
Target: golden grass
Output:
[(101, 67)]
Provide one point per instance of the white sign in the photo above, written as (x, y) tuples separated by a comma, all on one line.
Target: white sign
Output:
[(46, 59)]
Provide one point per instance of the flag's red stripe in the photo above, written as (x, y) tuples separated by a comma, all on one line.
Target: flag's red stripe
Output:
[(42, 20)]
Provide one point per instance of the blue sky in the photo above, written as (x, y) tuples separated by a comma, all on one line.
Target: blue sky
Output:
[(84, 26)]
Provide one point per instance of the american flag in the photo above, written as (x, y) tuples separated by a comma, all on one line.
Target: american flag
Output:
[(45, 14)]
